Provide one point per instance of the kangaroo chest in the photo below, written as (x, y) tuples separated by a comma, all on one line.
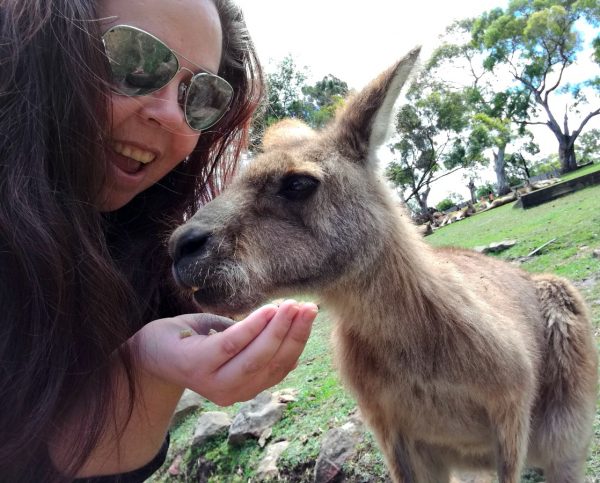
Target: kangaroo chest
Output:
[(395, 390)]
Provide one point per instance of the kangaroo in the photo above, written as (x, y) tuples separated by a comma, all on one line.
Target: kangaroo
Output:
[(456, 360)]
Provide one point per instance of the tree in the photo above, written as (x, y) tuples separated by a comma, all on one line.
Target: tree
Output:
[(536, 41), (589, 146), (284, 88), (493, 108), (425, 128), (325, 97), (289, 96)]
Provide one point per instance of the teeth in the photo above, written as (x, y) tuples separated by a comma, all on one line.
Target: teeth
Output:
[(134, 153), (195, 289)]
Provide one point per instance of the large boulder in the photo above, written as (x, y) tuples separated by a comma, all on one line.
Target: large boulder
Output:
[(210, 423), (256, 417)]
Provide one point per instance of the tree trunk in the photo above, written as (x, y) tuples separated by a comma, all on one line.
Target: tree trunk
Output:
[(471, 187), (422, 199), (566, 154), (501, 179)]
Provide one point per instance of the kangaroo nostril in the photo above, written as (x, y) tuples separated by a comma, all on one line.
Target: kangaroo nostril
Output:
[(191, 243)]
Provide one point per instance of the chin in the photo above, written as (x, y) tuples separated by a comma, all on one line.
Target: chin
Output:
[(108, 202)]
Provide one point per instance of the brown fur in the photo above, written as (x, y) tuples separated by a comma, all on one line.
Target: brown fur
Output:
[(457, 360)]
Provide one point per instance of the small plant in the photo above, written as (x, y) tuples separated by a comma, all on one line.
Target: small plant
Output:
[(485, 190), (445, 204)]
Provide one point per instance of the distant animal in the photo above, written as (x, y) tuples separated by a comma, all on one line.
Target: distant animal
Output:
[(457, 360)]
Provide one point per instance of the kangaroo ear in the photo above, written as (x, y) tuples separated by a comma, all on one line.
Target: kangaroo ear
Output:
[(363, 125)]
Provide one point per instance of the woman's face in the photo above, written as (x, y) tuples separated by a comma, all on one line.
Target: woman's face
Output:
[(153, 128)]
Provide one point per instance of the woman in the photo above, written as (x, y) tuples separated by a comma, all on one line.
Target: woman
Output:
[(117, 120)]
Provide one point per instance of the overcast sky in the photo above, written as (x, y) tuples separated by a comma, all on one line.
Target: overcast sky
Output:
[(351, 40), (356, 40)]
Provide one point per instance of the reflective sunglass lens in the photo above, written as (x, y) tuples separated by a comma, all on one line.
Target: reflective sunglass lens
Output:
[(140, 63), (207, 101)]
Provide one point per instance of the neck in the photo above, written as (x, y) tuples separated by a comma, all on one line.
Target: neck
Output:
[(400, 296)]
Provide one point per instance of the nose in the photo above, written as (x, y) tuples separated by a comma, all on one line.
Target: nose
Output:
[(189, 243), (163, 107)]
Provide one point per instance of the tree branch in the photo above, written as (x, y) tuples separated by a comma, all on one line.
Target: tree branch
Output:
[(583, 123), (531, 123), (447, 173), (555, 86)]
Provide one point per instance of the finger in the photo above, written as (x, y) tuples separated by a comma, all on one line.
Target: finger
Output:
[(221, 347), (257, 355), (286, 358)]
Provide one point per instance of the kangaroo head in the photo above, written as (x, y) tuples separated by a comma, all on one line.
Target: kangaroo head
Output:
[(307, 212)]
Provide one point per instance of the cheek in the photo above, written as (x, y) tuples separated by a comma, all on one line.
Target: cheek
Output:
[(184, 143), (122, 108)]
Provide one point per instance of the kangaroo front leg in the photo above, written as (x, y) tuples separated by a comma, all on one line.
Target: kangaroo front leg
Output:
[(512, 429), (412, 463)]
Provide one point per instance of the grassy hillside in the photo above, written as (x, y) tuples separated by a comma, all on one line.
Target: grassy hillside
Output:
[(573, 221)]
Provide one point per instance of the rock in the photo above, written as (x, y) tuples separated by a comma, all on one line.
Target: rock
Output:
[(174, 469), (255, 417), (500, 246), (210, 424), (267, 468), (338, 445), (496, 246), (286, 395), (596, 254), (266, 434), (189, 402)]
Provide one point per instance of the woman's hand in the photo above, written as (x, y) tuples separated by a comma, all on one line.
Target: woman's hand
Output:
[(229, 366)]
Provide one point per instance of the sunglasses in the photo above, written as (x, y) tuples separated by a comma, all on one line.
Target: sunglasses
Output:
[(142, 64)]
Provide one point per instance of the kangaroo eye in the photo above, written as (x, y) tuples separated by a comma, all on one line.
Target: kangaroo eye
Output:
[(297, 187)]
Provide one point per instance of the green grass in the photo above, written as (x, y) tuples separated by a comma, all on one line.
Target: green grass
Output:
[(580, 172), (574, 220)]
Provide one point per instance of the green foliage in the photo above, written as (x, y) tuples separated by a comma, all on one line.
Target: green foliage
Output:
[(490, 114), (284, 87), (535, 41), (445, 204), (290, 96), (427, 135), (589, 146), (485, 190), (545, 165)]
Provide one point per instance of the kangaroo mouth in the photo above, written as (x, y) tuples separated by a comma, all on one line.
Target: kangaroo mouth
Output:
[(213, 300), (214, 294)]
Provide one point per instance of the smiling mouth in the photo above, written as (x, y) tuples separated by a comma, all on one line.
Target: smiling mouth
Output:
[(132, 152)]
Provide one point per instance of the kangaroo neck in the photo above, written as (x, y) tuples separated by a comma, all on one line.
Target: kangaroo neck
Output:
[(398, 296)]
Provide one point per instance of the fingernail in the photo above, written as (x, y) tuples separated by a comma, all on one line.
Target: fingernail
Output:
[(293, 308), (311, 306), (311, 310)]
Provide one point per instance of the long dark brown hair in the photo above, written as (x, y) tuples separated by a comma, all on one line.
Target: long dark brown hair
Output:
[(75, 283)]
